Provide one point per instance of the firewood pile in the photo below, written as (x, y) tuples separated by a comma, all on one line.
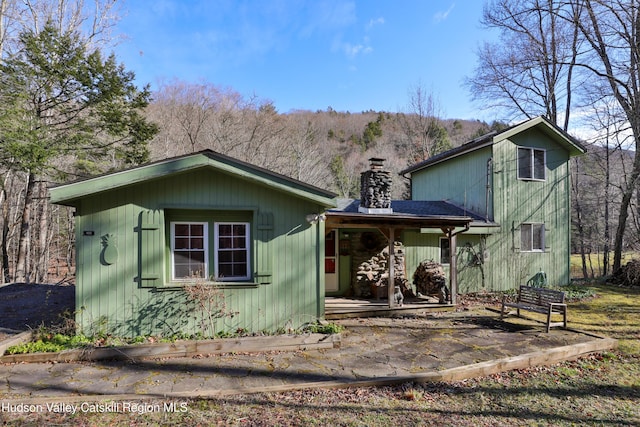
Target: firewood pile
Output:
[(430, 280), (628, 275), (373, 274)]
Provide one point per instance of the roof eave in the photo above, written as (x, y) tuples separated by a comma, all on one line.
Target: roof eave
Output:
[(562, 137), (399, 220), (69, 194)]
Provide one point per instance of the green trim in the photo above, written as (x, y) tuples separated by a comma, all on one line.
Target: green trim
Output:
[(558, 135), (179, 284)]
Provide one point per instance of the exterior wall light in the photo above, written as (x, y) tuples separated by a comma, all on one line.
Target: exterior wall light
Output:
[(315, 218)]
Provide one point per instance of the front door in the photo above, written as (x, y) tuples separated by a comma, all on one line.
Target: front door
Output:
[(331, 262)]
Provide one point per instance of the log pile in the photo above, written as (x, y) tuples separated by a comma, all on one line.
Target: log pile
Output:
[(628, 275), (372, 276), (430, 280)]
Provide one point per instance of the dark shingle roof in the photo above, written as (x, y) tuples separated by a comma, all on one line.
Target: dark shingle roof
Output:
[(421, 208)]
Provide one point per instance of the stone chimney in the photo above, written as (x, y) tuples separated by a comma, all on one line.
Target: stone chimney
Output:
[(375, 188)]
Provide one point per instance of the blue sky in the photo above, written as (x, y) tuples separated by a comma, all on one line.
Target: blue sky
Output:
[(310, 55)]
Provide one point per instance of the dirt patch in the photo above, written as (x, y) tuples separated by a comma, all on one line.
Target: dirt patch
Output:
[(28, 306)]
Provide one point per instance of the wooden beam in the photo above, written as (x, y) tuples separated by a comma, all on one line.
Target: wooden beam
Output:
[(453, 270), (392, 277)]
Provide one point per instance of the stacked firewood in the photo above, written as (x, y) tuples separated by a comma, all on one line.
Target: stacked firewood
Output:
[(373, 274), (430, 280), (628, 275)]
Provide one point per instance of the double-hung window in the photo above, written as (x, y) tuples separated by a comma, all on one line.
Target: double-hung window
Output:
[(532, 237), (189, 250), (208, 249), (531, 164), (232, 250)]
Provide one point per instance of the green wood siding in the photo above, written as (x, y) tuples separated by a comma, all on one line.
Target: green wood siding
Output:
[(513, 202), (126, 298), (461, 180)]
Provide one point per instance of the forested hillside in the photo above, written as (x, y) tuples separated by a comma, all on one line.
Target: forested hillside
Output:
[(325, 148)]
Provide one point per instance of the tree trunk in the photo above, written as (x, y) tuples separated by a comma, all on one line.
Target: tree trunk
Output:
[(22, 263), (607, 226), (575, 185), (624, 214), (41, 260), (4, 249)]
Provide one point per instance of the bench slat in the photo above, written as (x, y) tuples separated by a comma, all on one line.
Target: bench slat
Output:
[(539, 300)]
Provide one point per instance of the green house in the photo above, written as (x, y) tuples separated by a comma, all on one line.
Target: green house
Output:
[(201, 243), (518, 182)]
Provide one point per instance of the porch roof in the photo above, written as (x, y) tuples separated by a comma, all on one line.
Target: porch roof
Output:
[(406, 214)]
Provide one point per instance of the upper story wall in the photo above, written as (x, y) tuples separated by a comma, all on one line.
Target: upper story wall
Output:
[(461, 180), (518, 199)]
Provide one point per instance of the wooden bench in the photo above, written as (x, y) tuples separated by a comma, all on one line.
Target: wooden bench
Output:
[(539, 300)]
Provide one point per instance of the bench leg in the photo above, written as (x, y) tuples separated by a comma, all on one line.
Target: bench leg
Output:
[(549, 319)]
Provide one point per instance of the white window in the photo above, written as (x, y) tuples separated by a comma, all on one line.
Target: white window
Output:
[(532, 237), (445, 250), (189, 250), (232, 251), (531, 164)]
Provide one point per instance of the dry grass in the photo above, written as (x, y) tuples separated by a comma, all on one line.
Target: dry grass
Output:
[(598, 390)]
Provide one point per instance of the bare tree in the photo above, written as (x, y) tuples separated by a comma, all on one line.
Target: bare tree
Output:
[(530, 70), (551, 50), (422, 124), (190, 108), (302, 153), (611, 28)]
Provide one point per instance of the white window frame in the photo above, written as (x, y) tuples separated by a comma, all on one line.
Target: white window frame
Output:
[(247, 249), (440, 247), (529, 228), (532, 164), (205, 249)]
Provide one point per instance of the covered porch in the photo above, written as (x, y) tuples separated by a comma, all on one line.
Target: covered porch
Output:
[(391, 226)]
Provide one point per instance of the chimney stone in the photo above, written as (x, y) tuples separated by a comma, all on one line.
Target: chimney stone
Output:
[(375, 188)]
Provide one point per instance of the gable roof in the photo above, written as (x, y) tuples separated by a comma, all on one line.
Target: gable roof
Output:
[(554, 132), (70, 193)]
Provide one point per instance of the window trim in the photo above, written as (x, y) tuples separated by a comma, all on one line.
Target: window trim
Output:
[(247, 249), (205, 236), (531, 226), (532, 164)]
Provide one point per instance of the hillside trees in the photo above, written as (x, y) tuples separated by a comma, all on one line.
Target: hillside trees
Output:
[(61, 107), (423, 126), (197, 116)]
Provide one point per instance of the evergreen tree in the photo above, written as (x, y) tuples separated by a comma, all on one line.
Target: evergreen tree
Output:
[(61, 105)]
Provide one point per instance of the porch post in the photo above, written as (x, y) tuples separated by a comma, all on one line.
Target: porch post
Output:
[(392, 278), (453, 271)]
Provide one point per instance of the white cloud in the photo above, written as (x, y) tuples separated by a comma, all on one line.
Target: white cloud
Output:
[(442, 15), (353, 50), (373, 22)]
